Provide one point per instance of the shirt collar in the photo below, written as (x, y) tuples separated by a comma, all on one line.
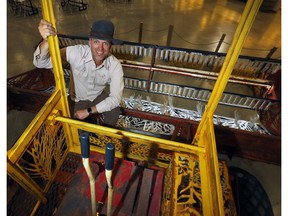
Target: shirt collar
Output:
[(105, 62)]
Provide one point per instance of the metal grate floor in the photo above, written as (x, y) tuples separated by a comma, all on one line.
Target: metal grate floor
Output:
[(23, 202)]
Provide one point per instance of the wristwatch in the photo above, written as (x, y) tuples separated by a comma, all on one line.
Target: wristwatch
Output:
[(89, 110)]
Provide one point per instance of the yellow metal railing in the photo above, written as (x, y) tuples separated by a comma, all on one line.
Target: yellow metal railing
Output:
[(211, 188), (23, 144), (53, 134), (48, 14)]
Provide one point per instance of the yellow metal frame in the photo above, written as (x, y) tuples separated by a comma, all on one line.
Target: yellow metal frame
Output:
[(205, 132), (56, 112)]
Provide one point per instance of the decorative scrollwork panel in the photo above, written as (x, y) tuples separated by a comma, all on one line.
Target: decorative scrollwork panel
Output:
[(134, 150), (44, 154), (183, 177)]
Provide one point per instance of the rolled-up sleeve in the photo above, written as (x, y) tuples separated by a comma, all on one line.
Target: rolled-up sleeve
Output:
[(40, 61), (116, 89)]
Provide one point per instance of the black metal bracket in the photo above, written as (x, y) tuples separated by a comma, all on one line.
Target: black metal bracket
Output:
[(80, 4)]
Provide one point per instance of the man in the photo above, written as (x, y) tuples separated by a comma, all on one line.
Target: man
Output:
[(93, 68)]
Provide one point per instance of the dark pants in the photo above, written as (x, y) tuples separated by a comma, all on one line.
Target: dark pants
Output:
[(109, 118)]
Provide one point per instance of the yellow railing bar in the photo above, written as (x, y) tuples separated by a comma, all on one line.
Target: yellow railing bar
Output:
[(22, 143), (20, 147), (139, 138), (216, 166), (210, 180), (241, 33), (244, 26), (48, 14)]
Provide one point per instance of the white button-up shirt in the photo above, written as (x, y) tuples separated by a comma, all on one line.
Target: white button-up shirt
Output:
[(89, 80)]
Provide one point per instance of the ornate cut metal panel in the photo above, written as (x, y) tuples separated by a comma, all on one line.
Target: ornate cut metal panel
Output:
[(183, 179), (45, 154), (170, 110), (147, 152)]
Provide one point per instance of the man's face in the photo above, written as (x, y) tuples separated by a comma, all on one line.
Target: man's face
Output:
[(100, 50)]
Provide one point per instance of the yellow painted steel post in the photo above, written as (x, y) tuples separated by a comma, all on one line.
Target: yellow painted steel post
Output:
[(48, 14), (210, 180), (206, 123), (241, 33), (133, 137)]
